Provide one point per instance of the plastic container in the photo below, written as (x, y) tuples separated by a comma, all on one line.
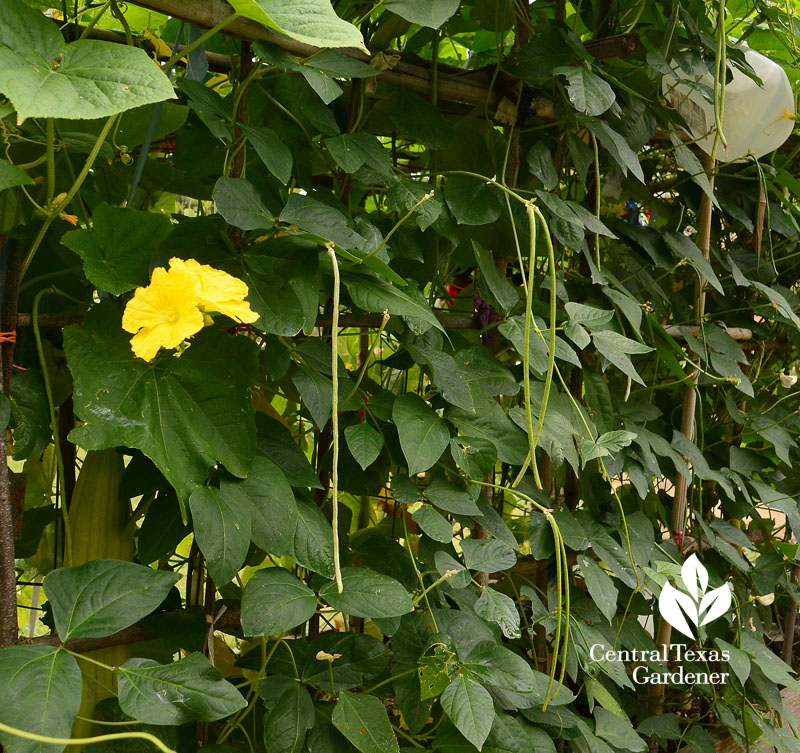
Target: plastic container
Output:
[(757, 119)]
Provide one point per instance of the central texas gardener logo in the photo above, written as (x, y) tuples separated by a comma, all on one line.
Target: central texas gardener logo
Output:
[(693, 602)]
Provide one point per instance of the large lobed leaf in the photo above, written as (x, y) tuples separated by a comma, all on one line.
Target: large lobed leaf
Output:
[(185, 414), (44, 77)]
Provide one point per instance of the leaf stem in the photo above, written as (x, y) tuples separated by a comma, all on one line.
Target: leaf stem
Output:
[(50, 129), (56, 210), (62, 485), (85, 740)]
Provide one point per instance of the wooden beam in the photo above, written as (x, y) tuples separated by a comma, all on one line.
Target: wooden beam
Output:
[(407, 71)]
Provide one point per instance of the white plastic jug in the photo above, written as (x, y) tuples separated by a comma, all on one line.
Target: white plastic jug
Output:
[(757, 119)]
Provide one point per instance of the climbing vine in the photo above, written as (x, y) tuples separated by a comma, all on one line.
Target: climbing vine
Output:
[(370, 370)]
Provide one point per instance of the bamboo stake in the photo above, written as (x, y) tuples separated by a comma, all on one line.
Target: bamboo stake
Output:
[(678, 520)]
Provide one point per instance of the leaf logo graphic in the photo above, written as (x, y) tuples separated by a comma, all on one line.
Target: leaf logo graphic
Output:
[(695, 604)]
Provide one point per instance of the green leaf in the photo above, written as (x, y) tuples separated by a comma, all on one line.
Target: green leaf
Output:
[(364, 442), (499, 666), (423, 435), (221, 520), (617, 731), (280, 309), (590, 94), (286, 723), (617, 147), (30, 415), (588, 315), (367, 594), (320, 219), (40, 693), (310, 21), (469, 706), (276, 156), (431, 13), (237, 201), (354, 150), (276, 441), (433, 524), (186, 414), (488, 555), (44, 77), (606, 444), (770, 664), (363, 720), (739, 661), (615, 347), (450, 498), (510, 734), (540, 163), (312, 544), (502, 290), (119, 251), (273, 510), (102, 597), (325, 87), (375, 296), (498, 608), (685, 248), (11, 176), (492, 424), (472, 201), (188, 689), (339, 65), (600, 586), (274, 601), (404, 195)]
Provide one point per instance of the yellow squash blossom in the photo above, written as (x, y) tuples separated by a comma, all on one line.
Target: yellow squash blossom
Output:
[(217, 290), (163, 314)]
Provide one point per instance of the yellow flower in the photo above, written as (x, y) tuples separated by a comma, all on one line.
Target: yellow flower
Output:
[(163, 314), (217, 290)]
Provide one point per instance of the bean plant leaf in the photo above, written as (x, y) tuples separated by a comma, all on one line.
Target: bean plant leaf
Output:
[(287, 722), (500, 666), (276, 156), (364, 442), (433, 523), (237, 201), (450, 498), (186, 690), (40, 693), (102, 597), (600, 587), (44, 77), (367, 594), (273, 509), (185, 414), (431, 13), (119, 251), (310, 21), (487, 555), (501, 609), (469, 706), (423, 435), (274, 601), (590, 94), (222, 528), (363, 720)]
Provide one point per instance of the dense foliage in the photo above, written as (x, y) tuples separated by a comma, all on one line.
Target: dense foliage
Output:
[(427, 342)]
